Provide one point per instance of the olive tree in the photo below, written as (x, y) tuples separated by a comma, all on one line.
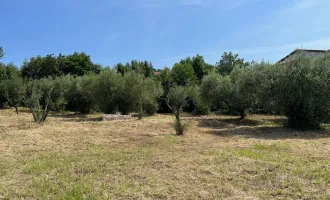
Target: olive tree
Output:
[(303, 91), (176, 100), (236, 92), (14, 91), (80, 95), (141, 94), (39, 99), (108, 90), (210, 90)]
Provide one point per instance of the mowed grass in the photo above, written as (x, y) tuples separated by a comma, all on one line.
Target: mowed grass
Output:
[(80, 157)]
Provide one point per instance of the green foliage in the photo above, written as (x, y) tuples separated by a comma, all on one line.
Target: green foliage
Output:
[(144, 68), (179, 127), (199, 106), (235, 93), (303, 91), (14, 91), (123, 68), (300, 89), (80, 96), (39, 99), (228, 62), (210, 90), (151, 92), (165, 79), (176, 100), (183, 74), (108, 91), (8, 71), (39, 67), (201, 68), (243, 89), (77, 64), (141, 94)]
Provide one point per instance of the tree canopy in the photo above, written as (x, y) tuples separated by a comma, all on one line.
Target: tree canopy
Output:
[(77, 64), (228, 62)]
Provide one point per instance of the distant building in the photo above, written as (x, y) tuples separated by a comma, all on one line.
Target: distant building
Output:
[(308, 52), (157, 73)]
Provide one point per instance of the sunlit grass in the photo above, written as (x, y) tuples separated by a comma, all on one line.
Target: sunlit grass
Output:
[(218, 158)]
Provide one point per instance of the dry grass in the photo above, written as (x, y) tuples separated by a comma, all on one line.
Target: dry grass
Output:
[(77, 157)]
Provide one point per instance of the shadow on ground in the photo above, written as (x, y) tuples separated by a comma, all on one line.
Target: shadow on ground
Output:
[(272, 129)]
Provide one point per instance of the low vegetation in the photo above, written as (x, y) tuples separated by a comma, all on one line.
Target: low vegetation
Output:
[(72, 156)]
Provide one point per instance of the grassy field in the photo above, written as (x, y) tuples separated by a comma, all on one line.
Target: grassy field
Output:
[(81, 157)]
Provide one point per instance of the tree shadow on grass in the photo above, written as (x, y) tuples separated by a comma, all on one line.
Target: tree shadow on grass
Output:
[(271, 133), (259, 128), (236, 122)]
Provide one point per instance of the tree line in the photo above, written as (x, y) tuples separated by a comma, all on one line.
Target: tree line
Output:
[(300, 89)]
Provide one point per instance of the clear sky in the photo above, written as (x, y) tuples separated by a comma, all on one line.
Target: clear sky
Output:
[(162, 31)]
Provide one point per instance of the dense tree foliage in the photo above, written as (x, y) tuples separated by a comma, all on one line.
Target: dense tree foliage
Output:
[(183, 74), (144, 68), (7, 72), (299, 89), (201, 68), (303, 92), (228, 62), (14, 91), (77, 64)]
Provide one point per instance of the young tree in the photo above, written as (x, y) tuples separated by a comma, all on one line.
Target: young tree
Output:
[(176, 100), (39, 99), (14, 91)]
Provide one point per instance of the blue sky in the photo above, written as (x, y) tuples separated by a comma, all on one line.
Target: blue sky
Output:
[(162, 31)]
